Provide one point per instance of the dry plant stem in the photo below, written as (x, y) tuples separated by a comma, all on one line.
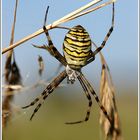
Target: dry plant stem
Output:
[(77, 11), (89, 11), (63, 27), (103, 61), (6, 105), (113, 132), (9, 55), (53, 25)]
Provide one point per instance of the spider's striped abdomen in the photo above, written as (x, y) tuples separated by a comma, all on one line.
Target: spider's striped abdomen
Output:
[(77, 47)]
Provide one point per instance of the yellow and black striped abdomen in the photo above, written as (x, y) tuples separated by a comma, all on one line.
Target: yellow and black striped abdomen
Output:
[(77, 47)]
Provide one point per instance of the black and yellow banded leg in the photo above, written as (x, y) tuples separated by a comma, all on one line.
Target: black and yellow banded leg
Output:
[(107, 35), (89, 87), (49, 89), (51, 48), (89, 104), (92, 55)]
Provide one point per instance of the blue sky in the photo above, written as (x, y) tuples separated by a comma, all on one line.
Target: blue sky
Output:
[(121, 51)]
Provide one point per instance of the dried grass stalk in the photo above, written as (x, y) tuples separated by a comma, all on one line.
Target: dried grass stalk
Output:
[(13, 87), (107, 96), (66, 18), (90, 10), (8, 64), (12, 77)]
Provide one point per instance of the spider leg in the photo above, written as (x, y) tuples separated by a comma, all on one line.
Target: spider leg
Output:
[(96, 97), (54, 52), (49, 89), (92, 56), (40, 103), (33, 102), (89, 104), (51, 48), (107, 35), (35, 110), (37, 99)]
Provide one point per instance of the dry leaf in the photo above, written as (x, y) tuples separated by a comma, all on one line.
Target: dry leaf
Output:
[(107, 96)]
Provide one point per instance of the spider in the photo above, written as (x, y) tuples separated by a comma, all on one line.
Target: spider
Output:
[(77, 54)]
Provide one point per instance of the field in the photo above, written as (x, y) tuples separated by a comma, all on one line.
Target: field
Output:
[(48, 123)]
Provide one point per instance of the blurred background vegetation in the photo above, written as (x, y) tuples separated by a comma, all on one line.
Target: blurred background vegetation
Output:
[(68, 103)]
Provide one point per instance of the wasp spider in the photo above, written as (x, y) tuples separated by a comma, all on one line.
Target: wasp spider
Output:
[(77, 54)]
